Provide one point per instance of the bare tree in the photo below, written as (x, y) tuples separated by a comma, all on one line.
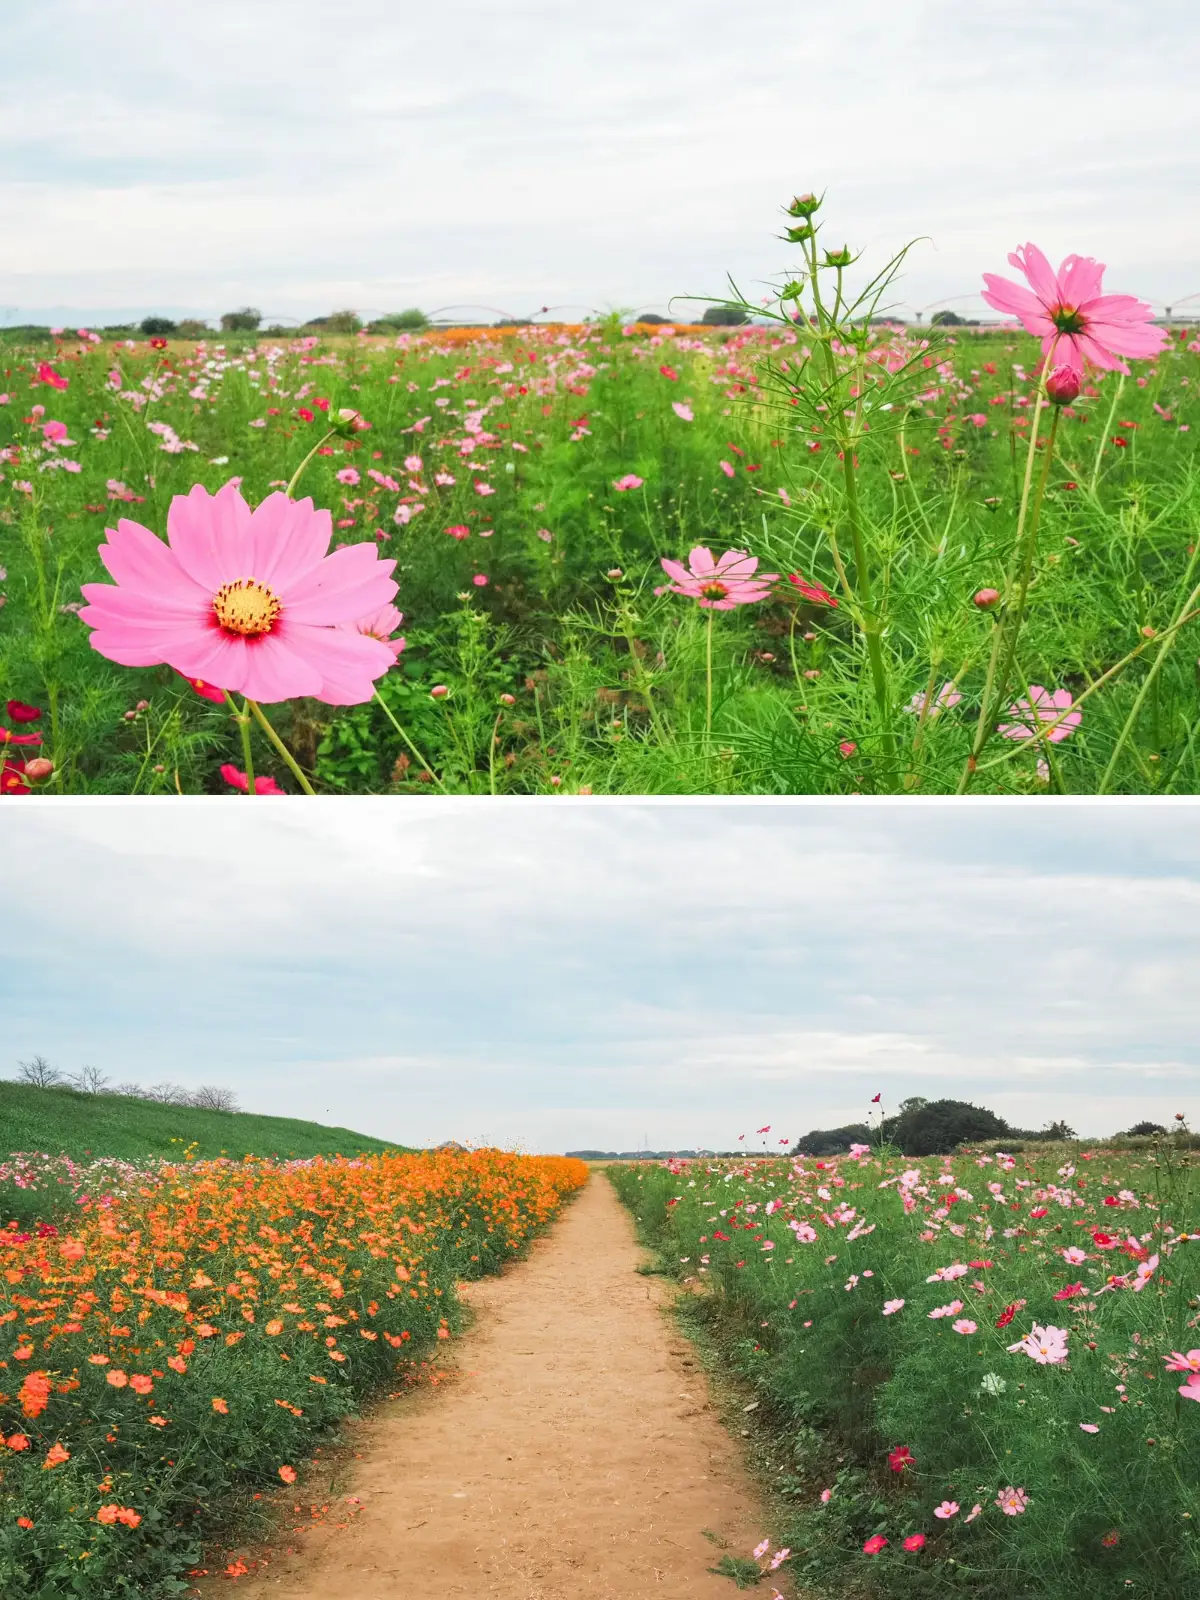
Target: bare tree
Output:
[(90, 1080), (39, 1073), (210, 1098), (133, 1090), (167, 1094)]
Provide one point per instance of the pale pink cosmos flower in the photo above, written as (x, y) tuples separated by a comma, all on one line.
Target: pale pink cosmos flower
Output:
[(760, 1550), (890, 1307), (946, 697), (1012, 1501), (629, 481), (1071, 316), (718, 585), (947, 1509), (381, 625), (973, 1513), (1176, 1362), (682, 410), (1145, 1271), (1191, 1389), (1089, 1427), (55, 432), (965, 1325), (1047, 1346), (348, 475), (1074, 1255), (1045, 707), (826, 1496), (726, 467), (250, 600)]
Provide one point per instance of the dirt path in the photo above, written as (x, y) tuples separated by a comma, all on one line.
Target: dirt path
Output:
[(576, 1455)]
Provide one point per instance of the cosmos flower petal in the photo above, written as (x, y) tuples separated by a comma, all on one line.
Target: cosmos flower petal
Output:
[(208, 534)]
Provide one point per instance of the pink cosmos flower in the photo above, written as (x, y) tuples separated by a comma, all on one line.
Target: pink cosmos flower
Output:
[(1045, 707), (348, 475), (1071, 315), (973, 1513), (47, 374), (890, 1307), (1047, 1346), (1191, 1389), (947, 1509), (915, 1541), (381, 625), (964, 1325), (874, 1544), (1089, 1427), (683, 411), (1074, 1255), (54, 432), (718, 585), (1183, 1363), (250, 600), (1012, 1501), (629, 481), (726, 467), (946, 697), (812, 591), (236, 779), (826, 1496)]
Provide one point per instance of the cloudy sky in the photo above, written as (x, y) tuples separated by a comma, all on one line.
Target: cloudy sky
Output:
[(563, 975), (303, 156)]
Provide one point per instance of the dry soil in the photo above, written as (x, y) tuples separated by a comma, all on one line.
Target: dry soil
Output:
[(576, 1453)]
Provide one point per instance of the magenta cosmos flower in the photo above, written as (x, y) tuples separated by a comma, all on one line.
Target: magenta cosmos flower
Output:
[(251, 601), (718, 585), (1046, 707), (1070, 314)]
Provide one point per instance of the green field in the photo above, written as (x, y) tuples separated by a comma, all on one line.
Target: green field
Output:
[(63, 1121), (968, 1370), (539, 658)]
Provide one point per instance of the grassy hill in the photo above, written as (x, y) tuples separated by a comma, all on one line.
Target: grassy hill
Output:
[(66, 1121)]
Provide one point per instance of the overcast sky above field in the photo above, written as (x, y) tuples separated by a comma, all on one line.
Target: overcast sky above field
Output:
[(302, 155), (588, 976)]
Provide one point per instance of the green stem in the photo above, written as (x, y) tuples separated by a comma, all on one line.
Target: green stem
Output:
[(1165, 649), (1112, 411), (708, 679), (296, 476), (425, 766), (283, 750), (243, 722), (1008, 630)]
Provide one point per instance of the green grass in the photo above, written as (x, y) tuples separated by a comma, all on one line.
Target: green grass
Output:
[(564, 670), (89, 1126)]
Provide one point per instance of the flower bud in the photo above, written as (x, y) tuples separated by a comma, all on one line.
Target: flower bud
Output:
[(799, 233), (803, 205), (985, 599), (839, 258), (39, 769), (438, 692), (508, 699), (792, 290), (1063, 385)]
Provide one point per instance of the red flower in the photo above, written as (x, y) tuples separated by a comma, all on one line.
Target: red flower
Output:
[(1070, 1292), (158, 343), (1103, 1241), (1040, 1211), (669, 372), (8, 737), (915, 1541), (236, 779), (982, 1264), (874, 1545), (47, 374), (1111, 1200), (900, 1458), (18, 711), (717, 1234), (12, 778), (306, 415), (206, 690), (1006, 1316), (811, 591)]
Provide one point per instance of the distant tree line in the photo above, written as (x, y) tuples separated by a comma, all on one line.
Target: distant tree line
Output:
[(937, 1127), (40, 1074)]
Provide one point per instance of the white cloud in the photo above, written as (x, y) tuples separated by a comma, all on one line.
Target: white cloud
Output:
[(689, 969), (535, 153)]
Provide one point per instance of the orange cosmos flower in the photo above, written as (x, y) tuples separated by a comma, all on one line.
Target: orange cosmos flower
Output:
[(221, 1405)]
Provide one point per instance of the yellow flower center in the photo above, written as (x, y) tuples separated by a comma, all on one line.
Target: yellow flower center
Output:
[(713, 590), (246, 607)]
